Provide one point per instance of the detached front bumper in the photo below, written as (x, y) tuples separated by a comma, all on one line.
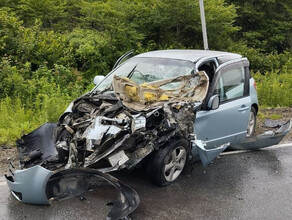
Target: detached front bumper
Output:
[(37, 185), (29, 185)]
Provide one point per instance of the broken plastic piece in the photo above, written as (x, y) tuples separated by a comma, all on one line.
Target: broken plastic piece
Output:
[(37, 185), (207, 155)]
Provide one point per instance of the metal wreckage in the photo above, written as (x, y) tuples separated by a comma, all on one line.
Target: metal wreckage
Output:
[(102, 132), (110, 130)]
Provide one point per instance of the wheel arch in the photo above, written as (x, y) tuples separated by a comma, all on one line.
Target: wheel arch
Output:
[(255, 105)]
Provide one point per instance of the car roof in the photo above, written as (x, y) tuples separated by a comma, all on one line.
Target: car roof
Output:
[(190, 55)]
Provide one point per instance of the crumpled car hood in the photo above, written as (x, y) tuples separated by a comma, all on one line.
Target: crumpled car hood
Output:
[(151, 95)]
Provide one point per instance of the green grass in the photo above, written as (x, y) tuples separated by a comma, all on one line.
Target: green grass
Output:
[(275, 116), (17, 120)]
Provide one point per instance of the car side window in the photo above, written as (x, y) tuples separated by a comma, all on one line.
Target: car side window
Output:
[(230, 84)]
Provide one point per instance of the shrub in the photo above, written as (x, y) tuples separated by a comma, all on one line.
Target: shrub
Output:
[(17, 119), (274, 88)]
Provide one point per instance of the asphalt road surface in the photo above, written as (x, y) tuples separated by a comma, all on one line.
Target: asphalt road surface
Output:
[(237, 185)]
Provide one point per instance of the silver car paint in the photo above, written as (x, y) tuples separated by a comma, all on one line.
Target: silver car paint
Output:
[(207, 155), (225, 124), (228, 123), (31, 183), (191, 55)]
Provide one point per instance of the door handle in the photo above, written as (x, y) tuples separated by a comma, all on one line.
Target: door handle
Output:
[(243, 108)]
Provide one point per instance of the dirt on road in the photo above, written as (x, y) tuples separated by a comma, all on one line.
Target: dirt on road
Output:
[(9, 153)]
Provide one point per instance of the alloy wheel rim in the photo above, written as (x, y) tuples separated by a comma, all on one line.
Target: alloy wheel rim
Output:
[(174, 163), (251, 124)]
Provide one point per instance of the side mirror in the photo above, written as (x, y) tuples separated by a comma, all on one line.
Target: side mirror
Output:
[(213, 102), (97, 79)]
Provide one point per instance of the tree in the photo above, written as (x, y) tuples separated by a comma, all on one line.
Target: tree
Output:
[(265, 24), (50, 12), (171, 23)]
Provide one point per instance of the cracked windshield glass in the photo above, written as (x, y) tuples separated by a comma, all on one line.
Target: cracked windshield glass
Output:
[(145, 70)]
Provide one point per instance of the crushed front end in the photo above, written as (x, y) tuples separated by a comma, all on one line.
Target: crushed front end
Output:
[(102, 132)]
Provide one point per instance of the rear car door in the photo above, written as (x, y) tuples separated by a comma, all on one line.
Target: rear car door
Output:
[(228, 123)]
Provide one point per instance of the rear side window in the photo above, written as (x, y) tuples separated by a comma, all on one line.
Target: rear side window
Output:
[(231, 84)]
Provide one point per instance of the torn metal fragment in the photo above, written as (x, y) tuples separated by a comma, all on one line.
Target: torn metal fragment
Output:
[(118, 159)]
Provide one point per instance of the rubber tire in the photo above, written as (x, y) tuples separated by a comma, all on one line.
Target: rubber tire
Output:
[(155, 164), (254, 111)]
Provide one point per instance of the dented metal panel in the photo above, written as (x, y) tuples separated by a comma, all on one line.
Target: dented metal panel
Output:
[(266, 139), (207, 155), (148, 96)]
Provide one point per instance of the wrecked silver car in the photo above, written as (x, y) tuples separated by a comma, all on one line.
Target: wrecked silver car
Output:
[(160, 108)]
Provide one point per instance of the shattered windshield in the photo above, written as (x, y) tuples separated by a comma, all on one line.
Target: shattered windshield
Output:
[(143, 69)]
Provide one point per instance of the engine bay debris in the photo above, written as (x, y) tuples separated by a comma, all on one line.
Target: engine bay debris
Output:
[(103, 132), (116, 129)]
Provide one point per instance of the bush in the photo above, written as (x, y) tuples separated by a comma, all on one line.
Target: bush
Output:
[(274, 88), (29, 99), (261, 62), (17, 120)]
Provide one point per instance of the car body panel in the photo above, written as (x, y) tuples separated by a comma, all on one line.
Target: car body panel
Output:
[(191, 55), (35, 191), (207, 155), (266, 139), (228, 123), (37, 185), (219, 126)]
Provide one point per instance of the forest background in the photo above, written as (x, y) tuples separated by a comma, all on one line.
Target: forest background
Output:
[(50, 50)]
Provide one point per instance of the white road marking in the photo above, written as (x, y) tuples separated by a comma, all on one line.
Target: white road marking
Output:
[(244, 151)]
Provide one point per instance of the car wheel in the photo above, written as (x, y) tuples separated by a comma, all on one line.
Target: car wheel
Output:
[(168, 163), (251, 122)]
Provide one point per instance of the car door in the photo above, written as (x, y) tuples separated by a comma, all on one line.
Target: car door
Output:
[(227, 123)]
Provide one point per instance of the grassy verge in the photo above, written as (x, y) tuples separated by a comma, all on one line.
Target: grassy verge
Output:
[(17, 120)]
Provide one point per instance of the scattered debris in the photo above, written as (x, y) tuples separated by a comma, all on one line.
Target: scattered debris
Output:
[(269, 123)]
